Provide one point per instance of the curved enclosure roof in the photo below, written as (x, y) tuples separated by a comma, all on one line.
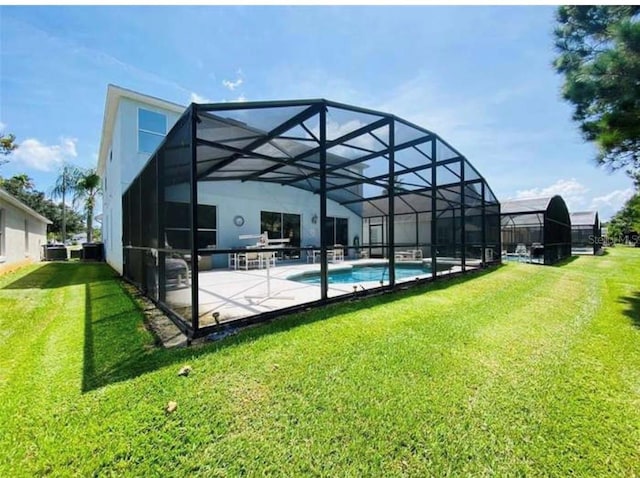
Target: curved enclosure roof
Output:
[(361, 153), (585, 218), (553, 208), (520, 206)]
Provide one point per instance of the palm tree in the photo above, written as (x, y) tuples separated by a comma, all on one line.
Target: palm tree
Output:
[(23, 182), (86, 189), (65, 183)]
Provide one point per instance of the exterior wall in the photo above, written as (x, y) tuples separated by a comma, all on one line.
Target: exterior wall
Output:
[(121, 168), (248, 199), (20, 246)]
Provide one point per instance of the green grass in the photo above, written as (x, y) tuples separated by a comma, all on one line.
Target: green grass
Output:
[(522, 371)]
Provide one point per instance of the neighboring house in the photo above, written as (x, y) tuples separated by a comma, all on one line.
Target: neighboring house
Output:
[(23, 232), (135, 124)]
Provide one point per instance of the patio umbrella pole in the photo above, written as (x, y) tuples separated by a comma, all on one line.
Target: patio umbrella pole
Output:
[(264, 240), (269, 296)]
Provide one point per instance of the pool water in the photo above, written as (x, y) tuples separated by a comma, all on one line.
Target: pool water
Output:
[(365, 274)]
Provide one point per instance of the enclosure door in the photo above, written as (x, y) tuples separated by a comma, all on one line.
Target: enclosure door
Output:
[(375, 240)]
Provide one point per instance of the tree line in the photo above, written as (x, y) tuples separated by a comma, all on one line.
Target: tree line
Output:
[(82, 186), (625, 225), (598, 50)]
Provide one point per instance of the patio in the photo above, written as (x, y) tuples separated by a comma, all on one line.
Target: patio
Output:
[(235, 294)]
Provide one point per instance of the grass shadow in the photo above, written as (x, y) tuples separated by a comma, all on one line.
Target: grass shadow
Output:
[(565, 261), (633, 312), (117, 347)]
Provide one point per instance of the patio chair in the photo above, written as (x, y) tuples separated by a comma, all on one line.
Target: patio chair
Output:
[(177, 267), (336, 254), (310, 254), (403, 256), (537, 251), (267, 258), (177, 272), (248, 260)]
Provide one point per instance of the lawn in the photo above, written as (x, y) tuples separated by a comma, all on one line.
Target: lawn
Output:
[(522, 371)]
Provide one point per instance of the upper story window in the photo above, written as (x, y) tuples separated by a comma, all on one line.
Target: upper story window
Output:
[(152, 128)]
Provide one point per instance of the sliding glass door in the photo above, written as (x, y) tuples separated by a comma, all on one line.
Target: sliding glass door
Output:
[(280, 225), (337, 231)]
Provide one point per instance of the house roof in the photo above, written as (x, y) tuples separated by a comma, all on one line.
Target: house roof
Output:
[(5, 196), (114, 95)]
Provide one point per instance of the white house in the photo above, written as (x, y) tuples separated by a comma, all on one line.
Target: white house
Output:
[(22, 233), (133, 127)]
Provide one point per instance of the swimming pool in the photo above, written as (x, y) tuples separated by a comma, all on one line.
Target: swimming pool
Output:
[(372, 273)]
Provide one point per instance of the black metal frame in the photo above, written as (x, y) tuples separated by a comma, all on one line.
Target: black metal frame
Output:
[(300, 150), (552, 224), (586, 231)]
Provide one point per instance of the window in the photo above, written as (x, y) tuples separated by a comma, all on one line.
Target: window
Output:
[(177, 225), (152, 127), (280, 225), (337, 231)]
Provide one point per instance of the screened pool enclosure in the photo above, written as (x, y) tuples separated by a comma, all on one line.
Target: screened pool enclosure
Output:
[(586, 235), (251, 210), (536, 230)]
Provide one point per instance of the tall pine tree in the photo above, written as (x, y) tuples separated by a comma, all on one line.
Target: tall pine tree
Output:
[(599, 56)]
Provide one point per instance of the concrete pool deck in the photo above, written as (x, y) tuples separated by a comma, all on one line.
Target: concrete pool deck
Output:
[(234, 294)]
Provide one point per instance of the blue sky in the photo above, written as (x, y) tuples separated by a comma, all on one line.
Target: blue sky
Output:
[(481, 77)]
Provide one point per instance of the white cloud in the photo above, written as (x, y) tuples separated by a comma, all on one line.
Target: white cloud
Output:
[(196, 98), (36, 155), (241, 98), (568, 187), (614, 200), (2, 126), (571, 191), (232, 85)]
